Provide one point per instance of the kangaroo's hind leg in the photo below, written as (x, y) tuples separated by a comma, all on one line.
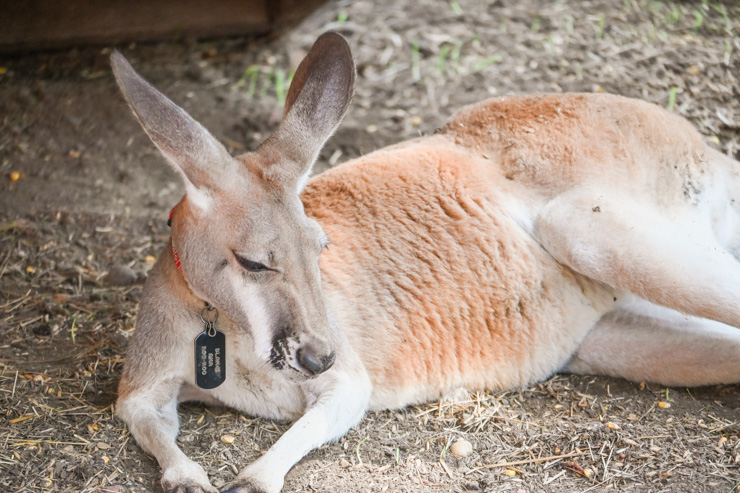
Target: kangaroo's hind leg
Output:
[(632, 247), (646, 342)]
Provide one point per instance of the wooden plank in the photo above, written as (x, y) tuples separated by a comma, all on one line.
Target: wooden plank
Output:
[(40, 24)]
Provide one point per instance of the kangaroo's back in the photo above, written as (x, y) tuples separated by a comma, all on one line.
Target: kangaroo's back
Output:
[(557, 141)]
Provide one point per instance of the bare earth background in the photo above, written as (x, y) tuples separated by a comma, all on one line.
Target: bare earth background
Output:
[(86, 196)]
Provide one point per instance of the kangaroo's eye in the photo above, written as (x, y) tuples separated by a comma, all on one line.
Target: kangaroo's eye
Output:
[(249, 265)]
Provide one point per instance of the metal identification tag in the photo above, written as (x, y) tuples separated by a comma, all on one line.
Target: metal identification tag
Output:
[(210, 352)]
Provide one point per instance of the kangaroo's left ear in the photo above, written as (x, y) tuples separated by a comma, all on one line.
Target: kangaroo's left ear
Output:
[(317, 100), (191, 150)]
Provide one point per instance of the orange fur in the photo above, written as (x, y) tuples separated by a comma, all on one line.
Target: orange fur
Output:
[(449, 290), (555, 142)]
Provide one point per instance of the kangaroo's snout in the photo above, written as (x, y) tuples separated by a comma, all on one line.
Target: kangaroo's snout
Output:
[(315, 362), (309, 358)]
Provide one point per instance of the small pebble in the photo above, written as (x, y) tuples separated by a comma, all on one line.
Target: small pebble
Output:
[(461, 448), (344, 463), (120, 275), (228, 439)]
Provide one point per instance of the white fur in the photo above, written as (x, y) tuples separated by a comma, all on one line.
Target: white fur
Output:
[(521, 215), (253, 305), (339, 407), (642, 341), (199, 198)]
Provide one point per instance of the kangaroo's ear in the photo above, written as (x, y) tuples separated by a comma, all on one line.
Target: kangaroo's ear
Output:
[(317, 100), (189, 148)]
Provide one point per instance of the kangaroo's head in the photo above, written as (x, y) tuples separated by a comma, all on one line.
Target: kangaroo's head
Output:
[(245, 244)]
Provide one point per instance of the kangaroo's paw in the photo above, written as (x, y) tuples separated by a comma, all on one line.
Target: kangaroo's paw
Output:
[(186, 477), (246, 484)]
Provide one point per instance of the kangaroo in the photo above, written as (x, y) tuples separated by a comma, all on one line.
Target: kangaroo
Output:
[(584, 233)]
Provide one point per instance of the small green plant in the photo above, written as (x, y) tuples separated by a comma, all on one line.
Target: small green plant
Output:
[(444, 449), (673, 16), (599, 29), (698, 20), (671, 105), (455, 53), (549, 43), (342, 17), (415, 62), (481, 64), (442, 58), (281, 86), (456, 8), (357, 449), (255, 76), (398, 456), (73, 330), (723, 12), (249, 77)]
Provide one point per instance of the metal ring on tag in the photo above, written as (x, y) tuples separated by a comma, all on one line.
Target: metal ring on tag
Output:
[(211, 329), (208, 309)]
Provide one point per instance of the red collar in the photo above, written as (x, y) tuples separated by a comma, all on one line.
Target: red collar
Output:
[(178, 264)]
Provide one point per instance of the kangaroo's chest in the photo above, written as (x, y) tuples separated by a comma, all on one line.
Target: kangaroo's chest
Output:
[(250, 386)]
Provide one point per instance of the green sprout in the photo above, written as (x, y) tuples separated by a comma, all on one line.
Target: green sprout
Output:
[(357, 449), (698, 20), (481, 64), (671, 104), (415, 62), (442, 58)]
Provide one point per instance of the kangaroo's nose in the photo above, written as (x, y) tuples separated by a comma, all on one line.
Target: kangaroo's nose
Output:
[(313, 362)]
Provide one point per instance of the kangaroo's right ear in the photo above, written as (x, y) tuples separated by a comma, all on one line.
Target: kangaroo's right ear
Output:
[(316, 102), (190, 148)]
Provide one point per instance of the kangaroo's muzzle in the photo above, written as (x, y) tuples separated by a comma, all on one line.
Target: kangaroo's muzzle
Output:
[(314, 362)]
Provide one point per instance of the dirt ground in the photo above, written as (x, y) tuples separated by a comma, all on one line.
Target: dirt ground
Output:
[(85, 200)]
